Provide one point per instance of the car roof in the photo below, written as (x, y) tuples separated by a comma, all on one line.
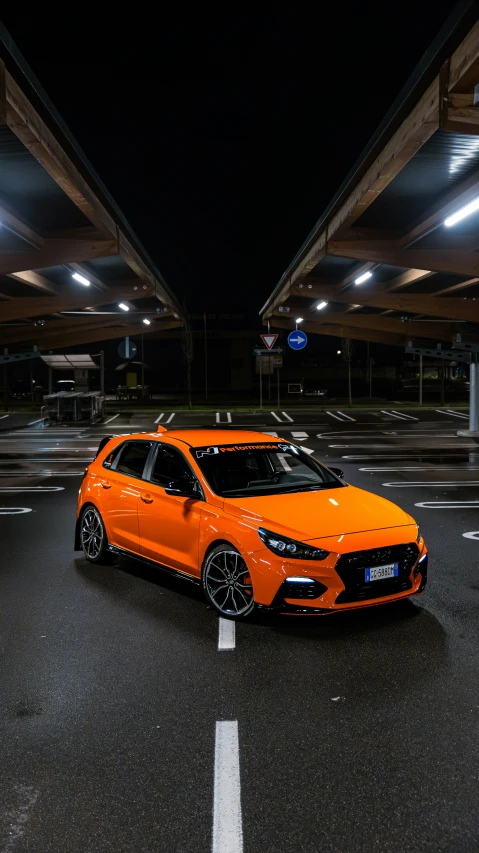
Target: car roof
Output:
[(202, 437)]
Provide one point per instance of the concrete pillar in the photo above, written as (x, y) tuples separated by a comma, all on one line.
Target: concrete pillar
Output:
[(473, 430)]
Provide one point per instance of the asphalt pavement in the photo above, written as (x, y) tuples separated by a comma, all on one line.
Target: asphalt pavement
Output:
[(133, 719)]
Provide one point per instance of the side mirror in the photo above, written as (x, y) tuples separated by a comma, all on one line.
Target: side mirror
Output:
[(185, 488), (338, 472)]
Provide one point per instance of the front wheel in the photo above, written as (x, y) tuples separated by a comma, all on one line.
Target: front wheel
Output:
[(93, 538), (227, 583)]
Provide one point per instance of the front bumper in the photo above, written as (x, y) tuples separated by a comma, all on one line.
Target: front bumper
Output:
[(339, 581)]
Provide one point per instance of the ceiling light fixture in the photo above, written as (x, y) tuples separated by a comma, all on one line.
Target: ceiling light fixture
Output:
[(363, 277), (321, 306), (462, 213), (81, 279), (123, 306), (147, 322)]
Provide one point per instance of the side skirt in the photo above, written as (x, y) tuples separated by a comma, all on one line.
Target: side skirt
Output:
[(121, 552)]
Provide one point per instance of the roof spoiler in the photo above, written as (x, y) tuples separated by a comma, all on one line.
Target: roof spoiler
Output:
[(161, 428)]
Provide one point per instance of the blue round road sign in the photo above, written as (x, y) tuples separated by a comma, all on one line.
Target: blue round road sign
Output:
[(297, 339)]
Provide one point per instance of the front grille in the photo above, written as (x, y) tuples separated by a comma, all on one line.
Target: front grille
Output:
[(351, 568)]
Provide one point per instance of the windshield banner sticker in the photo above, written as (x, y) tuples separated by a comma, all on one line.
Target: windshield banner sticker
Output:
[(231, 448)]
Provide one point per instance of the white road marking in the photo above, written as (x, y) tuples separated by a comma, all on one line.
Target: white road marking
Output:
[(281, 457), (457, 484), (227, 818), (403, 415), (308, 449), (228, 415), (420, 468), (18, 816), (272, 433), (473, 535), (112, 419), (218, 418), (453, 414), (393, 414), (418, 453), (287, 417), (14, 510), (416, 447), (226, 634), (348, 418), (299, 436), (448, 505), (379, 433), (41, 474), (38, 421), (276, 416), (2, 417), (16, 489), (159, 418), (170, 418), (334, 416)]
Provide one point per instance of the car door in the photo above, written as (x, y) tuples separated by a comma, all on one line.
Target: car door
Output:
[(119, 493), (170, 524)]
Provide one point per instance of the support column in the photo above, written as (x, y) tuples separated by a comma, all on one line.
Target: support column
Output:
[(473, 430)]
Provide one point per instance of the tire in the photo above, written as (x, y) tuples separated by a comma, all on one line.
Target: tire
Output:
[(227, 583), (93, 538)]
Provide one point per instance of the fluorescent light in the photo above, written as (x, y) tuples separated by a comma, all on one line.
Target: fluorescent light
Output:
[(147, 322), (363, 277), (299, 319), (123, 306), (462, 213), (338, 352), (321, 306), (81, 279)]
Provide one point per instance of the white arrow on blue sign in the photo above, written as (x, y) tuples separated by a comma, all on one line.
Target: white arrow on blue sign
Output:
[(297, 340)]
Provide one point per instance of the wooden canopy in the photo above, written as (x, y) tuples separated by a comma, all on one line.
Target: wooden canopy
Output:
[(58, 221), (388, 219)]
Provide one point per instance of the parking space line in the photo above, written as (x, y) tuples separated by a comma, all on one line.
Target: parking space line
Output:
[(418, 468), (347, 417), (17, 489), (112, 419), (474, 534), (272, 433), (227, 818), (457, 484), (334, 416), (14, 510), (38, 421), (453, 414), (300, 436), (226, 634), (159, 418), (168, 420), (448, 505), (287, 417), (276, 416), (218, 418), (403, 415), (2, 417)]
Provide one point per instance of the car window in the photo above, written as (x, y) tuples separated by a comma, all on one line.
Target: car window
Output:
[(241, 470), (133, 458), (110, 457), (169, 467)]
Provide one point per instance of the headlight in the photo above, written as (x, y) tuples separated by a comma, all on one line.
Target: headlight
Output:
[(284, 547), (418, 533)]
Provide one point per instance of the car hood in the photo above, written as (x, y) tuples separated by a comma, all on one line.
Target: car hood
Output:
[(318, 514)]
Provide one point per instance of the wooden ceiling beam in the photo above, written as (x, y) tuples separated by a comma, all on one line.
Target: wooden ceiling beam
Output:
[(418, 329), (37, 281), (87, 336), (450, 308), (455, 261), (56, 252), (456, 198), (73, 300), (11, 220), (345, 331)]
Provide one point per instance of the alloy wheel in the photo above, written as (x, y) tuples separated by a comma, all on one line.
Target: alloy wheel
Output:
[(228, 583), (92, 533)]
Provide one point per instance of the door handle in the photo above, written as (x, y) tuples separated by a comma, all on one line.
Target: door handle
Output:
[(147, 499), (105, 484)]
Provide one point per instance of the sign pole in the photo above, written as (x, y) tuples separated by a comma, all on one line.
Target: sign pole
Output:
[(269, 377), (260, 383)]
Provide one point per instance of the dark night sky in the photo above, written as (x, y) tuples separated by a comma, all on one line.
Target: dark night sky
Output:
[(223, 136)]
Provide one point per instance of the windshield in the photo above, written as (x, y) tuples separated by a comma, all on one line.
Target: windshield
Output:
[(244, 470)]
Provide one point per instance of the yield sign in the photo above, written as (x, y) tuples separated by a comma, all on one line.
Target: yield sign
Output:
[(269, 340)]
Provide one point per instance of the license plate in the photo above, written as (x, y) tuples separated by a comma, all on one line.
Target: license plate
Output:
[(381, 572)]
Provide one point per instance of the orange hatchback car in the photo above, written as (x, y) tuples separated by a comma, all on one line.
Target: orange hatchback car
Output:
[(255, 520)]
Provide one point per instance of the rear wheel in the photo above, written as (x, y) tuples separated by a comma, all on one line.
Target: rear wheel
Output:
[(93, 536), (227, 583)]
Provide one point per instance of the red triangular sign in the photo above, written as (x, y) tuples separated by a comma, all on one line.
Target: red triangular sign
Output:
[(269, 340)]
